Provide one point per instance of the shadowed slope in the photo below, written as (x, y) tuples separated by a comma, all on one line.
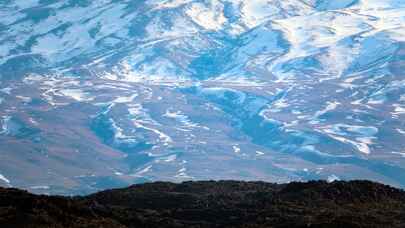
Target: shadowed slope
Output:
[(213, 204)]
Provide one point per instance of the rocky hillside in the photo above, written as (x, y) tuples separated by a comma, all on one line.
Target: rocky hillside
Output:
[(212, 204)]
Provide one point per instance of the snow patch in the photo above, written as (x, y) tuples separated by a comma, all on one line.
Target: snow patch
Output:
[(333, 178), (210, 18), (77, 94), (4, 179)]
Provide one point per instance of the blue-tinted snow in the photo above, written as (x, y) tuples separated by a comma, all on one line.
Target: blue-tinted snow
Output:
[(223, 89)]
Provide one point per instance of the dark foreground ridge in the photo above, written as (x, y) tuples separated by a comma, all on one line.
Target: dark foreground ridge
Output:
[(212, 204)]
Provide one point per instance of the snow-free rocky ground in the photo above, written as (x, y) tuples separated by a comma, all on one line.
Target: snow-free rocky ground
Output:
[(106, 93), (207, 204)]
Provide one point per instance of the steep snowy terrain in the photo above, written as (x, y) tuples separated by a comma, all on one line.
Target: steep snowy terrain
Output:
[(105, 93)]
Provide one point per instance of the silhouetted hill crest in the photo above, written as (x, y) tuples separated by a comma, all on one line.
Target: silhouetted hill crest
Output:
[(212, 204)]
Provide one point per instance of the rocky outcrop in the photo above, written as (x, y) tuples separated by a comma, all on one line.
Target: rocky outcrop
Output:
[(212, 204)]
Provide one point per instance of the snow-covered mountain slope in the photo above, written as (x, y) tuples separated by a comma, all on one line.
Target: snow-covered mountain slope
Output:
[(98, 94)]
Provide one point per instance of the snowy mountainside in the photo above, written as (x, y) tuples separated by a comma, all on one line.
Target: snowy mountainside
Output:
[(99, 94)]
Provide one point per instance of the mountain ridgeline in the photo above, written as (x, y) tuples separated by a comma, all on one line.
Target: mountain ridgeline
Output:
[(104, 94)]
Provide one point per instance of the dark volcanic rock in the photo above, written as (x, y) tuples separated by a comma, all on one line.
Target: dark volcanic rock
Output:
[(213, 204)]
